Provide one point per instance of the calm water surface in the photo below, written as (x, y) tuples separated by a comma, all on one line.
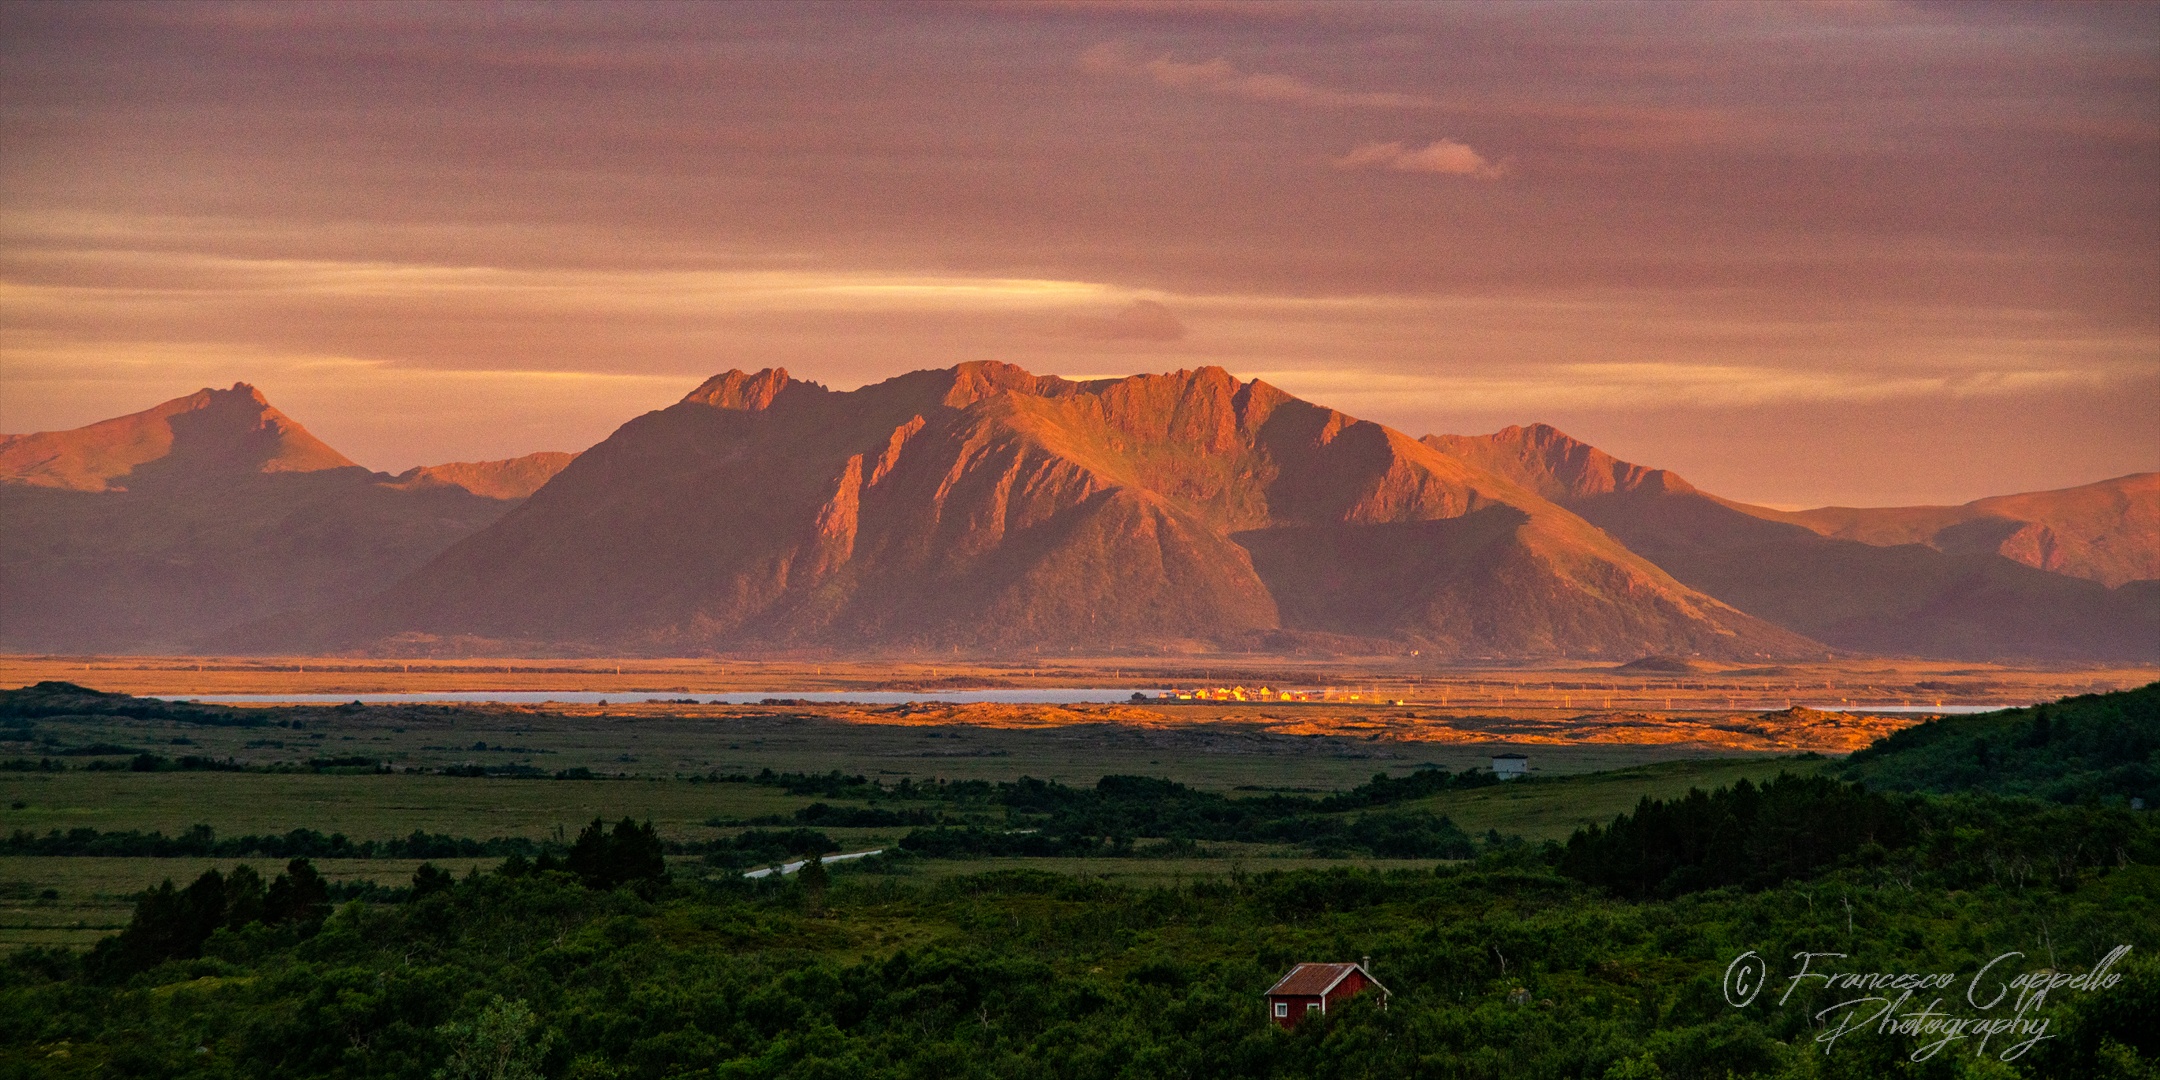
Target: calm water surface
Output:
[(1051, 696)]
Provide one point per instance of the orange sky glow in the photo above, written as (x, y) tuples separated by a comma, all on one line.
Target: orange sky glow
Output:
[(1856, 253)]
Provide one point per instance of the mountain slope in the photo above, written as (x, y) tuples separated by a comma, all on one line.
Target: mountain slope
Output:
[(509, 478), (983, 507), (208, 433), (2107, 532), (159, 530), (1898, 597)]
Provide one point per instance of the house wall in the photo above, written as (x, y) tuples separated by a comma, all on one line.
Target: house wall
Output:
[(1298, 1007), (1351, 984)]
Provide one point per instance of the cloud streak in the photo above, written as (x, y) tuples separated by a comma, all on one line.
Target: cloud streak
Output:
[(1220, 76), (1443, 156), (1827, 209)]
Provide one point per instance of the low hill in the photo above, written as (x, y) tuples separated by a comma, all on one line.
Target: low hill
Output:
[(2091, 747), (1899, 598), (986, 508)]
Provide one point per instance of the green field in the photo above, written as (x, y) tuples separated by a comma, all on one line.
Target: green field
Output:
[(1552, 809), (1216, 750), (369, 806), (91, 896), (654, 752)]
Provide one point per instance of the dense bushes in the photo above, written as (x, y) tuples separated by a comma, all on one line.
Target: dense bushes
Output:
[(1793, 828), (1495, 972), (763, 847), (173, 924), (201, 841), (632, 854), (1744, 835), (2094, 747)]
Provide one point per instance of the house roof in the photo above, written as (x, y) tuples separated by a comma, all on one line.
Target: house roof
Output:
[(1315, 980), (1511, 757)]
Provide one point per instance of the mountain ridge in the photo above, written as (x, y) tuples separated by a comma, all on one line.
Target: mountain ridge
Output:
[(983, 506), (1793, 568)]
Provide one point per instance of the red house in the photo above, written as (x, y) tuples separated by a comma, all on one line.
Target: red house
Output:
[(1314, 987)]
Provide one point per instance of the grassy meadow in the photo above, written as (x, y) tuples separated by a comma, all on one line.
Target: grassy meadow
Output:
[(646, 757)]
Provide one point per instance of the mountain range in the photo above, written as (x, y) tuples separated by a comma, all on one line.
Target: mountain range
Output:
[(161, 530), (984, 509)]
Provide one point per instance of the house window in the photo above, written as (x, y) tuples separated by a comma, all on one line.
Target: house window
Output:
[(1282, 1008)]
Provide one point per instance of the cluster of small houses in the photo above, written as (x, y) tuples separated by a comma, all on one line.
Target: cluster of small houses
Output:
[(1263, 693)]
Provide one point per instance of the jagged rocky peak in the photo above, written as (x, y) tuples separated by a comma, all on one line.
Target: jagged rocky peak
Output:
[(748, 391), (1555, 464)]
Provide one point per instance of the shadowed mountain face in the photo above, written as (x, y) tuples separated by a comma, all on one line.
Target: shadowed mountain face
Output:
[(165, 528), (1966, 582), (205, 434), (510, 478), (984, 507), (2108, 532)]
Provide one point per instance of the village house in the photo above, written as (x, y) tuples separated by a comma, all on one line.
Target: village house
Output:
[(1314, 987), (1510, 766)]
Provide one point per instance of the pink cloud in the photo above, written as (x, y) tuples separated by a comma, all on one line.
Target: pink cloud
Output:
[(1444, 156), (1220, 76)]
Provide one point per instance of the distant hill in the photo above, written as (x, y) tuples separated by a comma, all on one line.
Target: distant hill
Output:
[(163, 529), (511, 478), (986, 508), (1894, 596), (207, 433), (2108, 532), (2090, 747)]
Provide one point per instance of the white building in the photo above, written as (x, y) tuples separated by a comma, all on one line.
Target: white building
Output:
[(1510, 766)]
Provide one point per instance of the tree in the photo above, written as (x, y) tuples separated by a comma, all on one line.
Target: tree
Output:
[(497, 1046), (636, 854), (814, 880), (299, 895), (588, 857), (168, 924), (631, 854), (244, 892), (430, 878)]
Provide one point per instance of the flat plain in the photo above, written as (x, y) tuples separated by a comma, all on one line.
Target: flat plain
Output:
[(1599, 738), (73, 901), (1522, 689)]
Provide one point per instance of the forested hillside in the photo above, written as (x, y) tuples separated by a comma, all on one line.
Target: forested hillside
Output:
[(2091, 747)]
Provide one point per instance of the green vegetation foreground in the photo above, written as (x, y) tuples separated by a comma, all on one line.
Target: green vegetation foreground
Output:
[(1500, 968), (1611, 957)]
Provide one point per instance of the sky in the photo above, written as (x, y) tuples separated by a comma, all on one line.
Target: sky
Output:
[(1854, 254)]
